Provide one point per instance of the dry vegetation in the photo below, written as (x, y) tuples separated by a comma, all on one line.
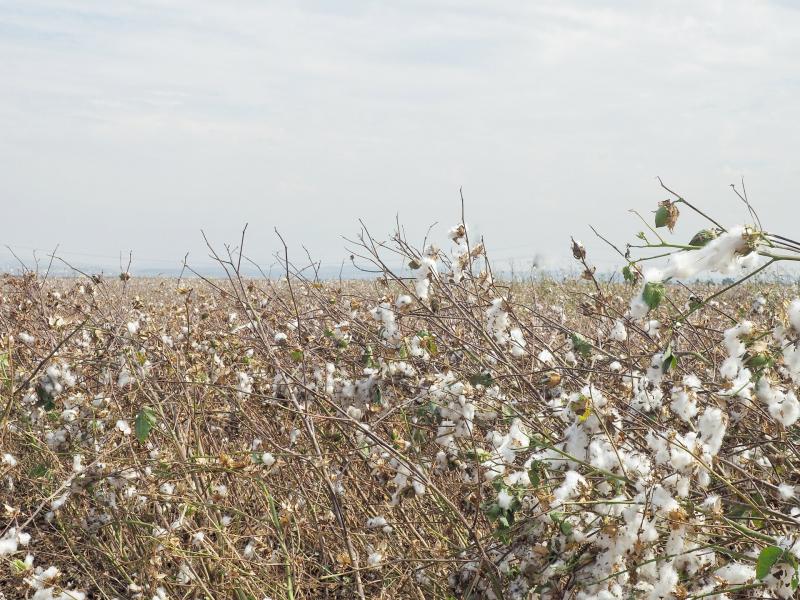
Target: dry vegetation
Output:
[(434, 436)]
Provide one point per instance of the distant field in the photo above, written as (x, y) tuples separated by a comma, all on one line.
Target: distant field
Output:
[(458, 438)]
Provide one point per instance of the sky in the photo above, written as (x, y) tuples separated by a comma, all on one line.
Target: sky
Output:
[(132, 126)]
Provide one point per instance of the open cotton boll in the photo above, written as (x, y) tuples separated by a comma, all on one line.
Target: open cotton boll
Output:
[(457, 232), (786, 491), (618, 333), (736, 573), (681, 449), (376, 522), (403, 301), (504, 499), (668, 579), (546, 357), (9, 542), (782, 406), (652, 328), (663, 501), (638, 307), (518, 342), (569, 488), (497, 321), (712, 426), (684, 404), (794, 314), (427, 269)]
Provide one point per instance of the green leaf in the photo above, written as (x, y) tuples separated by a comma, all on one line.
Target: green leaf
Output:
[(757, 361), (145, 421), (18, 566), (653, 293), (768, 557), (484, 379), (628, 274), (366, 358), (377, 396), (565, 527), (670, 360), (580, 345), (533, 473), (39, 470), (430, 346), (493, 512), (297, 355)]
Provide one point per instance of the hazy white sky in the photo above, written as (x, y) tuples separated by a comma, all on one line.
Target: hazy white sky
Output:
[(132, 125)]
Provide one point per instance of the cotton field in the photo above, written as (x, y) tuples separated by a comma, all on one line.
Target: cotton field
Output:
[(431, 432)]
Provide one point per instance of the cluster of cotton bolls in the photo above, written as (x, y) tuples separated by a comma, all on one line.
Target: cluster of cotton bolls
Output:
[(384, 315), (43, 581), (426, 267), (730, 253), (498, 324)]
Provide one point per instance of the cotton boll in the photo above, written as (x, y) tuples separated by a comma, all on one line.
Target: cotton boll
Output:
[(59, 502), (652, 328), (403, 301), (663, 501), (546, 357), (569, 488), (683, 404), (783, 406), (786, 491), (712, 426), (504, 499), (736, 573), (794, 314), (681, 449), (77, 464), (668, 579), (376, 522), (618, 333), (9, 542), (638, 307), (518, 342)]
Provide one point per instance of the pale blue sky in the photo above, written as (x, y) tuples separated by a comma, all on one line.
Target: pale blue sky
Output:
[(131, 125)]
